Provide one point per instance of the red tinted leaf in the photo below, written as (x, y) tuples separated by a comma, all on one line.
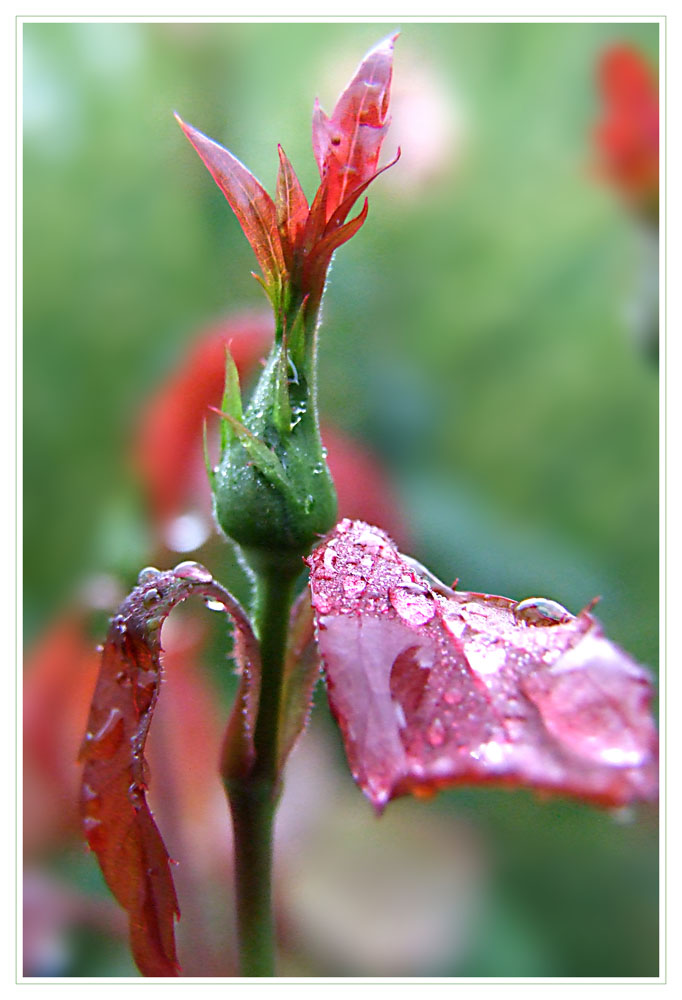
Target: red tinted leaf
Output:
[(248, 199), (433, 687), (348, 144), (116, 819), (291, 202), (301, 673)]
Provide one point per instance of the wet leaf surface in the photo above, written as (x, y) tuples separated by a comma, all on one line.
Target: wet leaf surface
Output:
[(432, 686), (116, 819)]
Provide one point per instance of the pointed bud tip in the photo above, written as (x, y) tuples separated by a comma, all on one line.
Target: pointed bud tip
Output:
[(385, 45)]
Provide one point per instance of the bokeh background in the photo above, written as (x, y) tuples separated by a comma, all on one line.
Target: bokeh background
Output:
[(488, 342)]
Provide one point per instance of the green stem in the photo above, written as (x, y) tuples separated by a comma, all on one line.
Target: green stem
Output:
[(253, 798)]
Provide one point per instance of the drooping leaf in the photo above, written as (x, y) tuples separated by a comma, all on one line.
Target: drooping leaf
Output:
[(433, 687), (300, 675), (116, 819), (347, 144), (248, 199)]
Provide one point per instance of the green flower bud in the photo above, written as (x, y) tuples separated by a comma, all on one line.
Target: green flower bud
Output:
[(273, 491)]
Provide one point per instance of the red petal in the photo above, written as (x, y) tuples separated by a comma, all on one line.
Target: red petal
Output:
[(348, 144), (433, 687), (248, 199)]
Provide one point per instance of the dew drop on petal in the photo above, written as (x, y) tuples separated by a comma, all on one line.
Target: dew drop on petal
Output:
[(214, 605)]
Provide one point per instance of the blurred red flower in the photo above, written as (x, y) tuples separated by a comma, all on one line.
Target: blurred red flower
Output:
[(627, 134)]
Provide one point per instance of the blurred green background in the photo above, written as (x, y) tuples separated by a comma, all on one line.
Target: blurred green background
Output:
[(484, 334)]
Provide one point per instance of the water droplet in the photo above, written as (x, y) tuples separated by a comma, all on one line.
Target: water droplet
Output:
[(99, 648), (91, 823), (147, 575), (624, 816), (330, 558), (214, 605), (123, 679), (436, 733), (416, 609), (151, 597), (88, 793), (323, 603), (540, 611), (452, 697), (107, 739), (193, 571), (483, 658), (353, 586)]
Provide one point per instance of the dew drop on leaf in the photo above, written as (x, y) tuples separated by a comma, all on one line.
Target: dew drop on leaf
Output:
[(193, 571), (416, 609), (147, 575)]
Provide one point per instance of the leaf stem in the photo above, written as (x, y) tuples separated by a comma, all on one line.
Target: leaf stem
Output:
[(253, 798)]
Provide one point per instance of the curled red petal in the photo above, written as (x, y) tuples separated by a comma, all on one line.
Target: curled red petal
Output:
[(433, 687)]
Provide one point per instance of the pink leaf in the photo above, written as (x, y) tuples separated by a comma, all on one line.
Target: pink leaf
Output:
[(433, 687), (116, 819), (348, 144), (248, 199)]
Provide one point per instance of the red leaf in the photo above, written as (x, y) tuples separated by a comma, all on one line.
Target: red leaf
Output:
[(300, 675), (291, 202), (348, 144), (116, 819), (248, 199), (433, 687)]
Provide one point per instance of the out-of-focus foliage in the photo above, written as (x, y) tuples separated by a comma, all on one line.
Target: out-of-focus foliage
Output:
[(481, 335)]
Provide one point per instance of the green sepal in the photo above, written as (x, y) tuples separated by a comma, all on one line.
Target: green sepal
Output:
[(232, 401), (264, 458), (281, 408), (210, 471), (296, 337)]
